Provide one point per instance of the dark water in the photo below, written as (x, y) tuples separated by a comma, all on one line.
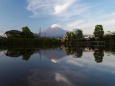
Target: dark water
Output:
[(53, 67)]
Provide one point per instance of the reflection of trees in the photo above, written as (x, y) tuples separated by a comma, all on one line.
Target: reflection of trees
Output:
[(13, 53), (77, 51), (25, 53), (98, 55), (69, 50)]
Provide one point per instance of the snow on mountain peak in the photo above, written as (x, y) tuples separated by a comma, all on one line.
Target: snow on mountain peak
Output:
[(54, 26)]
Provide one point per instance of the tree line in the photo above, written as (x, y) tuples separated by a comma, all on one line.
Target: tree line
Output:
[(26, 37), (77, 37), (74, 38)]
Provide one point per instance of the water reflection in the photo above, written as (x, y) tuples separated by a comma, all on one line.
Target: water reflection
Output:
[(76, 51), (17, 52), (55, 54), (98, 54), (61, 66), (51, 78)]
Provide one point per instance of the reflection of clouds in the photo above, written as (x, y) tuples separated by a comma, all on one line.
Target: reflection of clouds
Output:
[(87, 72), (113, 71), (58, 77), (69, 71), (48, 78), (71, 61), (74, 61), (41, 78), (2, 52), (61, 78), (87, 61)]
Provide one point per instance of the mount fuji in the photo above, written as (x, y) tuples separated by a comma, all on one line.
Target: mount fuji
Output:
[(53, 31)]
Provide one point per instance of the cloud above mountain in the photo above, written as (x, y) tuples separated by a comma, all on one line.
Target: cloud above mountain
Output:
[(48, 7)]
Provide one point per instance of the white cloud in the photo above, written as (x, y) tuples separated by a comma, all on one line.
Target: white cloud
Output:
[(48, 7), (87, 22), (74, 24), (61, 8)]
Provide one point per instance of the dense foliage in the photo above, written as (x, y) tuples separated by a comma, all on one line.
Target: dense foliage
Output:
[(27, 32), (98, 32), (74, 37)]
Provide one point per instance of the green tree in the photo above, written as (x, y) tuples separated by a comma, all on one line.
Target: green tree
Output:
[(69, 36), (110, 36), (78, 35), (98, 32), (27, 32), (73, 37), (12, 36)]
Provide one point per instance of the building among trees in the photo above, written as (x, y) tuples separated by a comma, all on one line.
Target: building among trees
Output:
[(13, 32), (25, 33)]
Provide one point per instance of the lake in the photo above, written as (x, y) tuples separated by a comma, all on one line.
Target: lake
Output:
[(57, 67)]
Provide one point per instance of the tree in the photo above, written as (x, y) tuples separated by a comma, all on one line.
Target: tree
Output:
[(98, 32), (110, 36), (78, 35), (73, 37), (27, 32), (69, 37), (14, 36)]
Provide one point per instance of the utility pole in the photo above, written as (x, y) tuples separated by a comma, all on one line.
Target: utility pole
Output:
[(40, 32)]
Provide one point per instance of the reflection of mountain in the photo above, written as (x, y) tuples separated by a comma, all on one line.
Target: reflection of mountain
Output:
[(54, 54)]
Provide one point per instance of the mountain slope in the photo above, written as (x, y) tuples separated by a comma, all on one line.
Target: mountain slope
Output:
[(53, 32)]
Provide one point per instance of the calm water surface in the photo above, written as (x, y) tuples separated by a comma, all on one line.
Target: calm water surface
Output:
[(54, 67)]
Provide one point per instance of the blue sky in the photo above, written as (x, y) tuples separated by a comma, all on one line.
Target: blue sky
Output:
[(68, 14)]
